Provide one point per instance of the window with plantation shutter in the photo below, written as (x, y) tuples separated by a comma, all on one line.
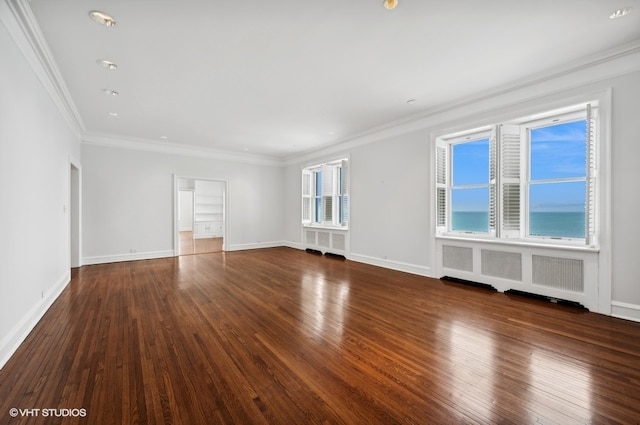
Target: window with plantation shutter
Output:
[(535, 177), (325, 194)]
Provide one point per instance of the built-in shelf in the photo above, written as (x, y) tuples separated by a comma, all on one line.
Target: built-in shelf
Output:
[(208, 209)]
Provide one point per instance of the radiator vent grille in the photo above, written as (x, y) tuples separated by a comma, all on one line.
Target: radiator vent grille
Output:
[(324, 239), (339, 242), (559, 273), (310, 237), (457, 258), (506, 265)]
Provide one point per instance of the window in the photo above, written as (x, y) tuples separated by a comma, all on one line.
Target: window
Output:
[(556, 186), (325, 194), (470, 186), (532, 178)]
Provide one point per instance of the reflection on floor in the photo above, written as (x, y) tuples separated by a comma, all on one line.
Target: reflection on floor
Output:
[(188, 245)]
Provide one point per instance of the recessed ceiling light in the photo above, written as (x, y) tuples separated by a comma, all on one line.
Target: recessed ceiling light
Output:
[(163, 137), (113, 114), (620, 13), (106, 64), (110, 92), (390, 4), (102, 18)]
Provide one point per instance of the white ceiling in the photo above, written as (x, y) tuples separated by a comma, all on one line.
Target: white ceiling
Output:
[(282, 77)]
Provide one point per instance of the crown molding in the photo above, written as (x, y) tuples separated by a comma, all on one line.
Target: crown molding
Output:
[(624, 59), (24, 29), (145, 145)]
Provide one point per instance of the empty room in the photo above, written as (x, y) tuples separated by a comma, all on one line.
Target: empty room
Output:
[(338, 212)]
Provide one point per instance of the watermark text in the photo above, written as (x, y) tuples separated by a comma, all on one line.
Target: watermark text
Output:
[(48, 413)]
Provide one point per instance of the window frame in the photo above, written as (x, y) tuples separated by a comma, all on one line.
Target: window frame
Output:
[(499, 133), (472, 137), (327, 204), (528, 182)]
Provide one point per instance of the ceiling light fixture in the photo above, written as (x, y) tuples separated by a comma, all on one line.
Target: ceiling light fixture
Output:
[(113, 114), (620, 13), (390, 4), (110, 92), (106, 64), (102, 18)]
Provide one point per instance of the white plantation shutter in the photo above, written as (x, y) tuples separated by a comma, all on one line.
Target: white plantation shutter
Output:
[(441, 185), (510, 165), (344, 192), (307, 199), (493, 182), (591, 168), (328, 192)]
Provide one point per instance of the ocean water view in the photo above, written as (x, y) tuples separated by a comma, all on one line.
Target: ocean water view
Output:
[(551, 224)]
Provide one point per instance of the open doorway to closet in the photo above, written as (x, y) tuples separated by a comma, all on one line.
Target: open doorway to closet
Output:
[(200, 216)]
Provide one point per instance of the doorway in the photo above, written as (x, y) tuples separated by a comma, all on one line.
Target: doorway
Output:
[(200, 216)]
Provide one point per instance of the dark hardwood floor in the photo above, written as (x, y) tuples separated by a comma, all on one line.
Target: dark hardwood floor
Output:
[(279, 336)]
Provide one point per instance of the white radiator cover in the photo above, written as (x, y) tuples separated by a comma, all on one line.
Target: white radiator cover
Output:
[(334, 241), (562, 272)]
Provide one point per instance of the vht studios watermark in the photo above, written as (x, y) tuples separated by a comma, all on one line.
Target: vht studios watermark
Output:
[(48, 413)]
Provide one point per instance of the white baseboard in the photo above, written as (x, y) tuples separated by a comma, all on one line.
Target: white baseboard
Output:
[(393, 265), (208, 236), (625, 311), (19, 333), (294, 245), (134, 256), (256, 245)]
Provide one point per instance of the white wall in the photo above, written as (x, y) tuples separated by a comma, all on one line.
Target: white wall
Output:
[(185, 207), (35, 146), (390, 215), (625, 207), (128, 202), (391, 208)]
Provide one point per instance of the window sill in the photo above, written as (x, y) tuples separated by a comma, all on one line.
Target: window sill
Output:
[(528, 242), (325, 226)]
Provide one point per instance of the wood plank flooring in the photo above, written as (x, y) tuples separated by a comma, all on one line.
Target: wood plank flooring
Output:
[(279, 336), (187, 245)]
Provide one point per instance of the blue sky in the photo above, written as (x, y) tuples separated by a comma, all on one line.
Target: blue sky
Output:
[(557, 151), (471, 166)]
